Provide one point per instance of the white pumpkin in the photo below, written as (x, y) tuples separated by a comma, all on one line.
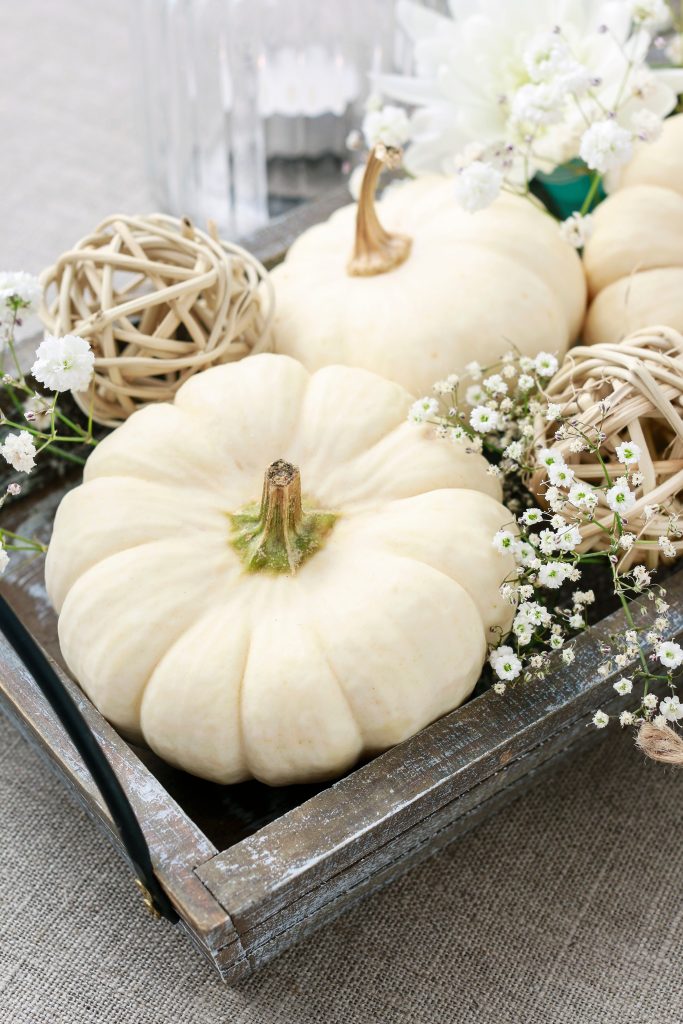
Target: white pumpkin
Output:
[(467, 287), (634, 258), (179, 612)]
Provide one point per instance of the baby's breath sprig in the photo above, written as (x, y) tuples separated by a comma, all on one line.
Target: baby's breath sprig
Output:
[(495, 411), (31, 422)]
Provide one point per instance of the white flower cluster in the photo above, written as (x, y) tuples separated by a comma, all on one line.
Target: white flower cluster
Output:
[(496, 410), (19, 294), (504, 91)]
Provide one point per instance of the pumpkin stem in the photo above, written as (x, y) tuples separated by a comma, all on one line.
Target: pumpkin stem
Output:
[(280, 533), (376, 251)]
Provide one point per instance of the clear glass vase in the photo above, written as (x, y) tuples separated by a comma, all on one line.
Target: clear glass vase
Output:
[(248, 103)]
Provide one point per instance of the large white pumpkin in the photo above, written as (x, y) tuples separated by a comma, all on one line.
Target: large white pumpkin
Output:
[(178, 610), (634, 258), (468, 287)]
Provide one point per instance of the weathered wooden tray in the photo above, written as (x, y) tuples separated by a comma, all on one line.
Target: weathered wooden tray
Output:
[(251, 869)]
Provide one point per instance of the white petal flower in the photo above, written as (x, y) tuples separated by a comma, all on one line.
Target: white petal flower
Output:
[(600, 719), (538, 103), (628, 453), (389, 126), (619, 498), (650, 701), (484, 419), (423, 409), (550, 458), (20, 289), (507, 666), (525, 382), (605, 145), (577, 229), (477, 186), (660, 721), (64, 364), (671, 708), (626, 718), (568, 655), (646, 125), (653, 15), (20, 451), (623, 686), (561, 476), (552, 575), (504, 541), (569, 538), (670, 654), (499, 688), (545, 364)]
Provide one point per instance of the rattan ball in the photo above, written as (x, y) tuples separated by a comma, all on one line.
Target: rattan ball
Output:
[(630, 391), (158, 300)]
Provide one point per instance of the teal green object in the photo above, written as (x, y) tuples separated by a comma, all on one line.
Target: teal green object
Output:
[(564, 191)]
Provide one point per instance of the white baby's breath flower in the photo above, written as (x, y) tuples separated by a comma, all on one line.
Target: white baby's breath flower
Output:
[(623, 686), (628, 453), (64, 364), (495, 385), (545, 364), (484, 419), (569, 538), (561, 476), (627, 540), (475, 395), (641, 577), (650, 511), (499, 688), (619, 498), (550, 458), (646, 125), (387, 126), (600, 720), (477, 186), (531, 516), (568, 655), (582, 496), (507, 666), (525, 382), (626, 718), (504, 541), (20, 451), (553, 412), (660, 721), (670, 654), (538, 103), (671, 708), (650, 701), (667, 547), (605, 145), (577, 229), (552, 575), (20, 290), (423, 409)]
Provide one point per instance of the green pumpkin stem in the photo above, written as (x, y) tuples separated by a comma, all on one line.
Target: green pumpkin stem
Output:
[(376, 250), (281, 533)]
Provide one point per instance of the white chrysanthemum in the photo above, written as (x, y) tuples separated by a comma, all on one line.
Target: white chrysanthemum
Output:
[(477, 186), (620, 498), (64, 364), (600, 719), (21, 288), (389, 126), (20, 451), (470, 66), (577, 229), (670, 654), (423, 409), (653, 15), (628, 453), (605, 145)]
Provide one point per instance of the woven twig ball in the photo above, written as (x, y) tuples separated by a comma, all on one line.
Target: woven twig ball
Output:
[(631, 390), (158, 300)]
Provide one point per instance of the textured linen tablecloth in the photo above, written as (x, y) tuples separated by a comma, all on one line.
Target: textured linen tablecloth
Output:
[(566, 907)]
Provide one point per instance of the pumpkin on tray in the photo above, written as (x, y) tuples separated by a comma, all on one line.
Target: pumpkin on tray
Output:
[(416, 287), (634, 258), (284, 628)]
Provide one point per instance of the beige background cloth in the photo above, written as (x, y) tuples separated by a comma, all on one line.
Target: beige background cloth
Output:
[(566, 907)]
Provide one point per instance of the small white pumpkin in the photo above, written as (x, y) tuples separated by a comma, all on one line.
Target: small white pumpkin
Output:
[(634, 258), (179, 612), (433, 289)]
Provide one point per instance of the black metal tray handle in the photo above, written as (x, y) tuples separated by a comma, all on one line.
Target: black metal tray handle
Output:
[(97, 764)]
